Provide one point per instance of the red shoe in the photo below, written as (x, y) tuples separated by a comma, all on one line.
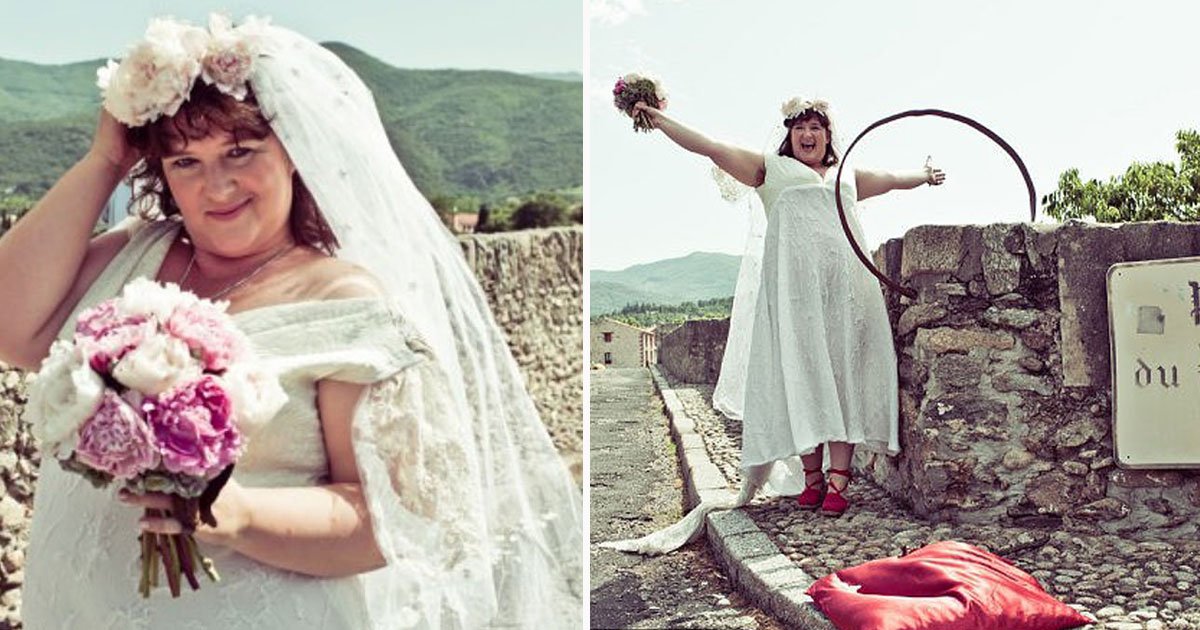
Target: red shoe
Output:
[(835, 504), (810, 499)]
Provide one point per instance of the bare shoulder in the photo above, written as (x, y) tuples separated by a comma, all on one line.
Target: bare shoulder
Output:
[(335, 279)]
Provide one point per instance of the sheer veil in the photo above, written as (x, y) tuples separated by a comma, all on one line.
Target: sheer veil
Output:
[(508, 552)]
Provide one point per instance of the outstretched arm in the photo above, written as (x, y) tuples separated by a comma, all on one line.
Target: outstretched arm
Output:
[(745, 165), (875, 183)]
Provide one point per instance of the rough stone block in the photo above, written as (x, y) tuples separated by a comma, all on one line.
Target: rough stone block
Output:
[(942, 340), (918, 315), (1014, 381), (1085, 252), (1157, 240), (1051, 492), (1017, 318), (1144, 478), (1106, 509), (957, 371), (932, 249), (1001, 268)]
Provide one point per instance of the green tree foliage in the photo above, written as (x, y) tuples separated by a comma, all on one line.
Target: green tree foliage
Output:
[(1152, 191), (535, 210), (650, 315), (537, 213)]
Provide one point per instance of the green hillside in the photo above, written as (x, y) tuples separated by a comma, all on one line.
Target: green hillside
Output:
[(697, 276), (609, 297), (489, 134), (30, 91)]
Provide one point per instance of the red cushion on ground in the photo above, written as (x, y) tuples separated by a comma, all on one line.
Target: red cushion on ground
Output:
[(943, 586)]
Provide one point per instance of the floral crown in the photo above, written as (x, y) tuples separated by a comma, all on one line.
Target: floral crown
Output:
[(796, 106), (157, 75)]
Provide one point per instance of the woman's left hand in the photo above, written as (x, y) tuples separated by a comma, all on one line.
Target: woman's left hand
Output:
[(231, 509), (933, 176)]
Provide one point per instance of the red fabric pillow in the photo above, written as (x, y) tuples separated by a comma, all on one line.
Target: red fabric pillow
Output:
[(943, 586)]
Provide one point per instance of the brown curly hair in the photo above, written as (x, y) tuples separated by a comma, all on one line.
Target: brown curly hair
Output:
[(206, 111)]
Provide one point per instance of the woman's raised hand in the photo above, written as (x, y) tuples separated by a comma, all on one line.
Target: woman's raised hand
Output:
[(651, 113), (933, 176), (109, 143)]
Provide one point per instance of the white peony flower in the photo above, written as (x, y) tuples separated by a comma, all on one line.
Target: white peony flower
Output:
[(157, 75), (159, 363), (146, 297), (796, 106), (255, 393), (230, 55), (64, 394)]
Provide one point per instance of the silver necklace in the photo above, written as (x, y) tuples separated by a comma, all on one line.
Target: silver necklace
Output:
[(243, 280)]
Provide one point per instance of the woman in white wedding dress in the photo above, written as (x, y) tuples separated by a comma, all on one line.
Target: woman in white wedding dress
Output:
[(408, 481), (821, 369)]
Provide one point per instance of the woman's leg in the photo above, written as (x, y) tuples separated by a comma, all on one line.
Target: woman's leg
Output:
[(840, 454), (814, 480), (839, 477), (813, 462)]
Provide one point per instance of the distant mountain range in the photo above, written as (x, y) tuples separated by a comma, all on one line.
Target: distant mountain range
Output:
[(458, 132), (697, 276)]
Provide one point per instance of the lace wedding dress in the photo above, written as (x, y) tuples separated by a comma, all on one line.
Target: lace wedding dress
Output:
[(810, 356), (822, 364), (83, 555)]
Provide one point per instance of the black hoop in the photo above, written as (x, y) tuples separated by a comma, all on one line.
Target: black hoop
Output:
[(837, 188)]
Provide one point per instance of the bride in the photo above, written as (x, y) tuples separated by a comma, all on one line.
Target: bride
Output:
[(408, 481), (820, 356)]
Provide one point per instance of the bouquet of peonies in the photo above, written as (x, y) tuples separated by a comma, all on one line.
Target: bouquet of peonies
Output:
[(635, 87), (156, 392)]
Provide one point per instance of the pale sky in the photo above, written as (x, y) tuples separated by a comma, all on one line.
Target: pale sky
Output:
[(1089, 84), (519, 36)]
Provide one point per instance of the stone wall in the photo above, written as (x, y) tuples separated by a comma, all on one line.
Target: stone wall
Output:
[(18, 462), (692, 352), (1004, 378), (534, 282), (1005, 386)]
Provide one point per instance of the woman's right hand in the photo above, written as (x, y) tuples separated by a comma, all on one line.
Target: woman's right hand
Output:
[(110, 144), (651, 113)]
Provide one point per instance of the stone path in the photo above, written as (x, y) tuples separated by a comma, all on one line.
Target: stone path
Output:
[(1125, 584), (636, 489)]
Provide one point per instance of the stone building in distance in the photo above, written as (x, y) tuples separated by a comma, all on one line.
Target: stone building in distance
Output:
[(620, 345)]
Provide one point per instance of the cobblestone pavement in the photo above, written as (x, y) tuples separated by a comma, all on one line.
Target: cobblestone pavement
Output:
[(636, 489), (1125, 584)]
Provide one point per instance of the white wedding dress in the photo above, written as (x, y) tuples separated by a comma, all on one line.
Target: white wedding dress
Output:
[(83, 555), (821, 366)]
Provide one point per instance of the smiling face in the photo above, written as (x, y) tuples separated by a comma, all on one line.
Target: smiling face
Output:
[(234, 193), (810, 140)]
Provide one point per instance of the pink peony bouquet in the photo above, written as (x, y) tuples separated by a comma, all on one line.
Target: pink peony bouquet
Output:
[(635, 87), (157, 392)]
